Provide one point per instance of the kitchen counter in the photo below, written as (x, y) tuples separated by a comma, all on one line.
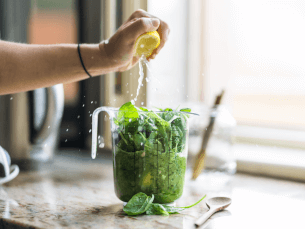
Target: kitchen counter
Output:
[(77, 192)]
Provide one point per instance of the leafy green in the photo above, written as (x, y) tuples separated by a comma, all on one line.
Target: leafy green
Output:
[(141, 203), (149, 153), (156, 209), (138, 204), (194, 203), (186, 109)]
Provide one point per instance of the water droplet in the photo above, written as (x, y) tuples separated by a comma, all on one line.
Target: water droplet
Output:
[(131, 95), (132, 102), (142, 46), (101, 142), (147, 79), (88, 112), (141, 143), (90, 115), (66, 140), (142, 103), (11, 98), (84, 96), (135, 99), (67, 130), (91, 102), (90, 131), (106, 41), (99, 137), (78, 116), (130, 120), (49, 127), (83, 105)]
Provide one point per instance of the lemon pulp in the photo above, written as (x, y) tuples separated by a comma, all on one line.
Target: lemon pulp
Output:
[(146, 43)]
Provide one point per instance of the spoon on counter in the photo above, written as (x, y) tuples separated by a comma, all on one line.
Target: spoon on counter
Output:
[(215, 204)]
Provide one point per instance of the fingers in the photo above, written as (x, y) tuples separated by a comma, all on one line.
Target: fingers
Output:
[(138, 14), (164, 33), (163, 29), (141, 25)]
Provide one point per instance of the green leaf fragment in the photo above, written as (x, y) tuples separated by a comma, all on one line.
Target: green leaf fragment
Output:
[(186, 110), (141, 203), (194, 203), (156, 209), (138, 204)]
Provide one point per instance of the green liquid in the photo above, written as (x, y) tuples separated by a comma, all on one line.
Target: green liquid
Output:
[(151, 172)]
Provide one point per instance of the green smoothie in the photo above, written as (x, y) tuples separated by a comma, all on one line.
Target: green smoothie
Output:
[(149, 153)]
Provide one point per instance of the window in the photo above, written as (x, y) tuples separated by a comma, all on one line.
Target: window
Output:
[(255, 50)]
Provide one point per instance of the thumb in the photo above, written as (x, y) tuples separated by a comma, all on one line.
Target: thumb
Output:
[(142, 25)]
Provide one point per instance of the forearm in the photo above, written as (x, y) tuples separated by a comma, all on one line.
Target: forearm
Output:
[(26, 67)]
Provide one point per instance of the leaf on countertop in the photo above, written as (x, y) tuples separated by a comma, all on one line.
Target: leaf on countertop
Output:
[(138, 204), (141, 203), (157, 209)]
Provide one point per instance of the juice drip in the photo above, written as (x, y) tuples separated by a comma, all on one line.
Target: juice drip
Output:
[(140, 80), (148, 79)]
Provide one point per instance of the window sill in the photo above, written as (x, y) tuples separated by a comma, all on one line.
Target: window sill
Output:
[(277, 162)]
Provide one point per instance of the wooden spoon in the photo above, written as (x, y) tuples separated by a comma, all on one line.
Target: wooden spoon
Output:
[(215, 204)]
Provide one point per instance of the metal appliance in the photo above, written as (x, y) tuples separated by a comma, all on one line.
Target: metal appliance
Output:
[(29, 121)]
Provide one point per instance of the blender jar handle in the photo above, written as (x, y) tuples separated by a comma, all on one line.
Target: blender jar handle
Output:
[(94, 129)]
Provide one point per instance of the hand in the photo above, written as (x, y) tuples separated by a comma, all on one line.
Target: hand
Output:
[(120, 47)]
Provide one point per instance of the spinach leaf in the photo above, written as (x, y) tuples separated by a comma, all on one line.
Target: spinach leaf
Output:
[(186, 110), (127, 113), (168, 109), (143, 108), (138, 204), (175, 210), (139, 140), (141, 203), (156, 209)]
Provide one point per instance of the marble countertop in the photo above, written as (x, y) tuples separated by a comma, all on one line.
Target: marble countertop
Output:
[(77, 192)]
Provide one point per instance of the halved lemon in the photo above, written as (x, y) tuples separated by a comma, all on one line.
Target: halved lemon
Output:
[(146, 43)]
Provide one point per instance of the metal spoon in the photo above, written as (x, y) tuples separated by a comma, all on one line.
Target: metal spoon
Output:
[(215, 204)]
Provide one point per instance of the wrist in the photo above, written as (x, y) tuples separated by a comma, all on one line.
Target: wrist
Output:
[(96, 60), (110, 63)]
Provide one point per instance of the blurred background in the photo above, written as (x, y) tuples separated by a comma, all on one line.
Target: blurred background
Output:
[(254, 50)]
